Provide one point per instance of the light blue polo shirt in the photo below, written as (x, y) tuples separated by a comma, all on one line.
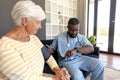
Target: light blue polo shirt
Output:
[(63, 42)]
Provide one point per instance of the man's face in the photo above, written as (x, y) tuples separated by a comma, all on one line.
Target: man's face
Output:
[(72, 30)]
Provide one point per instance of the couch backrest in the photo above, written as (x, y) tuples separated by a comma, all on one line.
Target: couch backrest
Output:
[(94, 54), (47, 41)]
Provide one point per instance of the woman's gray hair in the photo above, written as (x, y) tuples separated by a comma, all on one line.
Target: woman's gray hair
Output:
[(27, 9)]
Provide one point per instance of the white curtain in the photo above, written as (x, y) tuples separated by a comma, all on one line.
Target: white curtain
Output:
[(81, 15)]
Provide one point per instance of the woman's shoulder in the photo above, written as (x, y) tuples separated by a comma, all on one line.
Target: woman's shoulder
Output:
[(4, 39), (34, 36), (4, 42)]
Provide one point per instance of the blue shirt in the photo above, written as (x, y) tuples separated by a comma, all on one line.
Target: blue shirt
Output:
[(63, 42)]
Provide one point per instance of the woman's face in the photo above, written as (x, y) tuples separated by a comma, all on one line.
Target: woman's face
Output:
[(32, 26)]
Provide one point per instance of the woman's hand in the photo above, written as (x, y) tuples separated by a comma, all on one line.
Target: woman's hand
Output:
[(61, 74)]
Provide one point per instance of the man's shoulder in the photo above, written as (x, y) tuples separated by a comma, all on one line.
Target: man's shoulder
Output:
[(80, 35), (62, 34)]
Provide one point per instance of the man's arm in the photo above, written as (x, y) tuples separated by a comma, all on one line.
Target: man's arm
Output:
[(51, 50), (85, 50)]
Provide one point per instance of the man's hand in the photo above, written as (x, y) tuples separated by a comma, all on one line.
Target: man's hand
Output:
[(50, 49), (61, 74), (70, 52)]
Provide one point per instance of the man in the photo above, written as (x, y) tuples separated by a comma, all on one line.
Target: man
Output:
[(69, 46)]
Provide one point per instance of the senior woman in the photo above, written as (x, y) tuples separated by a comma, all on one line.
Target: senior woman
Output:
[(21, 56)]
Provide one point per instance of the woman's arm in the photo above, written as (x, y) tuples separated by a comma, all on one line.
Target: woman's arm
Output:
[(13, 66), (60, 72)]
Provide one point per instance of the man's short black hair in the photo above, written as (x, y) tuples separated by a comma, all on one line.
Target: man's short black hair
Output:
[(73, 21)]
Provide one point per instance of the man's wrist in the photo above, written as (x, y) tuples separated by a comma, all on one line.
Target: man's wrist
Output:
[(76, 49)]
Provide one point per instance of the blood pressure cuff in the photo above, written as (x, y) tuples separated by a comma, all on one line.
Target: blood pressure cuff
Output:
[(46, 53)]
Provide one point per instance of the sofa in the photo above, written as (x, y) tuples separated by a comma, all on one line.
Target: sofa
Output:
[(94, 54)]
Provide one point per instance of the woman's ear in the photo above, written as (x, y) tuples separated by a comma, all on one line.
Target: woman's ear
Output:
[(24, 21)]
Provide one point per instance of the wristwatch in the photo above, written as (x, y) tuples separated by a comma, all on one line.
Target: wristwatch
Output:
[(76, 49)]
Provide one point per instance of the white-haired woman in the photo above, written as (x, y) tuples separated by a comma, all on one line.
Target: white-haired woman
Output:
[(21, 54)]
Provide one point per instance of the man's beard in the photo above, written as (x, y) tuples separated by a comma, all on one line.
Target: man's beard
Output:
[(72, 36)]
